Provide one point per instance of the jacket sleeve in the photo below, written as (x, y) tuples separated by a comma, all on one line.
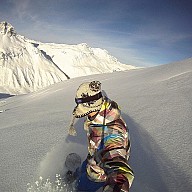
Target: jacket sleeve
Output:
[(119, 176), (115, 161)]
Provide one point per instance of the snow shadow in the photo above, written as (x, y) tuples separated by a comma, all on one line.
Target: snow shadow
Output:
[(5, 95), (152, 168)]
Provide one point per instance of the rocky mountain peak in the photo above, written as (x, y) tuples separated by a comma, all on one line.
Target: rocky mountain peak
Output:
[(7, 29)]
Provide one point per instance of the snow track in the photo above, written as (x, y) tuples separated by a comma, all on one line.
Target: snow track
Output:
[(34, 139)]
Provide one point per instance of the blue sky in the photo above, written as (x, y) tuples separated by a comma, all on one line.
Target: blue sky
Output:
[(138, 32)]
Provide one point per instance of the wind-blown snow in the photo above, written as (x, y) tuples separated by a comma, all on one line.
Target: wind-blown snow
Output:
[(27, 65), (155, 102)]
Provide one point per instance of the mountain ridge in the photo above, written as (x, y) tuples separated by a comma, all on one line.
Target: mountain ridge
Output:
[(27, 65)]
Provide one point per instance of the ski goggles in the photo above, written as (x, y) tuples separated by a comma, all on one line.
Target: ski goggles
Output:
[(88, 99)]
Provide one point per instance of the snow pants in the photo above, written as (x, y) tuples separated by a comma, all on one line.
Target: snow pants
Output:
[(85, 184)]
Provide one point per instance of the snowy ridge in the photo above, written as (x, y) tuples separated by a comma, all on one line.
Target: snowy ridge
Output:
[(27, 65), (155, 103), (82, 60)]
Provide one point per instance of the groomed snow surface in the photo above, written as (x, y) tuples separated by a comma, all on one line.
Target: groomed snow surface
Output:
[(155, 102)]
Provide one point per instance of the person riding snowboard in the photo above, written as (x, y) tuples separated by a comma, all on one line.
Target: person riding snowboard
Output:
[(106, 165)]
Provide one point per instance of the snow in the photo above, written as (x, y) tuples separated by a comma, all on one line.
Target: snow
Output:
[(27, 65), (155, 102)]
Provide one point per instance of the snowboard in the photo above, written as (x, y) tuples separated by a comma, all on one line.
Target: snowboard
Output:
[(73, 171), (72, 165)]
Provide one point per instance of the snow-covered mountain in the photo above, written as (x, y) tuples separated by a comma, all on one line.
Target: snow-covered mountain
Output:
[(156, 104), (27, 65)]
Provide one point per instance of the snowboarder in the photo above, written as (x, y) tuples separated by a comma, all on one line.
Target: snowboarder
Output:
[(106, 165)]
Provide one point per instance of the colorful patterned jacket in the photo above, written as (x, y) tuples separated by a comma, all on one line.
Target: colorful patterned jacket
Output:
[(109, 146)]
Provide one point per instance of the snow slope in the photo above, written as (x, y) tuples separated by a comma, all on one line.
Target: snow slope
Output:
[(155, 102), (27, 65)]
